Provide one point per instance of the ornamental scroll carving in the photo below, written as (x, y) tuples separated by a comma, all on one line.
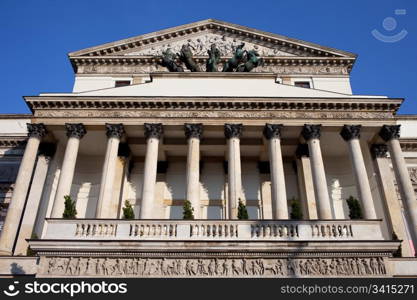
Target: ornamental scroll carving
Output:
[(214, 267)]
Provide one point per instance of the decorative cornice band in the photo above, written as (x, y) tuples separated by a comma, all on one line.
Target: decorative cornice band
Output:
[(272, 131), (311, 131), (350, 132), (75, 130), (154, 130), (36, 130), (390, 132), (115, 130), (13, 142), (193, 130)]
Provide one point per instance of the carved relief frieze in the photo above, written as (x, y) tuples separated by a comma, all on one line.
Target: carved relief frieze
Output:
[(213, 267), (210, 114)]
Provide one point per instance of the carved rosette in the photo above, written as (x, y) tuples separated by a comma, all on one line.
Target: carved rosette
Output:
[(193, 130), (272, 131), (350, 132), (36, 130), (302, 150), (115, 130), (389, 132), (311, 131), (233, 130), (75, 130), (153, 130), (379, 150)]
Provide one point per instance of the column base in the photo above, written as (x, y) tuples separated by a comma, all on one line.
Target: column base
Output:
[(4, 252)]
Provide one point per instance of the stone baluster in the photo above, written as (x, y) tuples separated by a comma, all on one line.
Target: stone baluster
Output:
[(75, 132), (272, 133), (311, 134), (193, 134), (389, 196), (391, 134), (351, 134), (15, 210), (105, 209), (153, 132), (233, 132)]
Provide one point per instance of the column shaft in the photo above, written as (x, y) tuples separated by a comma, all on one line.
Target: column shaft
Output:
[(234, 176), (15, 209), (306, 188), (405, 186), (193, 175), (279, 194), (149, 178)]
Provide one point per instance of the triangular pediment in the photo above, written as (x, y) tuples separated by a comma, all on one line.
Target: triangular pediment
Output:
[(200, 35)]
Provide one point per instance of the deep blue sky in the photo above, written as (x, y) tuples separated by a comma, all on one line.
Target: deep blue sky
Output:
[(37, 35)]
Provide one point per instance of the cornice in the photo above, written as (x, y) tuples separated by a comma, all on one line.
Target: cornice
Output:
[(390, 105), (210, 25), (408, 144), (13, 141)]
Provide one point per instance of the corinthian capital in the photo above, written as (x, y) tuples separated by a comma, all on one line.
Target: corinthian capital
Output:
[(193, 130), (36, 130), (115, 130), (379, 150), (351, 132), (272, 131), (311, 131), (153, 130), (390, 132), (75, 130), (233, 130)]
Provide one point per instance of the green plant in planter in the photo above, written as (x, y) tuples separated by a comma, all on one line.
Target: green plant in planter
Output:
[(242, 212), (128, 212), (188, 211), (296, 212), (355, 210), (70, 211)]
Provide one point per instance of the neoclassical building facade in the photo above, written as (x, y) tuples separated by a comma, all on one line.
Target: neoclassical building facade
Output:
[(225, 118)]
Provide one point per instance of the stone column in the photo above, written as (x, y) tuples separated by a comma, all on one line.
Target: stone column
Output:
[(193, 133), (351, 134), (75, 133), (311, 134), (389, 197), (391, 134), (114, 133), (233, 132), (305, 182), (272, 133), (153, 132), (14, 213), (46, 151)]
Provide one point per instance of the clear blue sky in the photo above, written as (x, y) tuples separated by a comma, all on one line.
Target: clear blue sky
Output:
[(37, 35)]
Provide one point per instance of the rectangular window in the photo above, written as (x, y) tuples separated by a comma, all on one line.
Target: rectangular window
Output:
[(120, 83), (303, 84)]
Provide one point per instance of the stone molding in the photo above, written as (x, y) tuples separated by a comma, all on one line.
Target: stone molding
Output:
[(115, 130), (193, 130), (153, 130), (311, 131), (75, 130), (272, 131), (13, 142), (379, 150), (389, 132), (212, 267), (233, 130), (36, 130), (350, 132)]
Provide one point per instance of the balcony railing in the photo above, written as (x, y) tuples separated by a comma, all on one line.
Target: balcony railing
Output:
[(267, 230)]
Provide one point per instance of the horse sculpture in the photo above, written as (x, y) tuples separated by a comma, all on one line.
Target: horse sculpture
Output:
[(213, 60), (168, 61), (253, 61), (186, 57), (237, 58)]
